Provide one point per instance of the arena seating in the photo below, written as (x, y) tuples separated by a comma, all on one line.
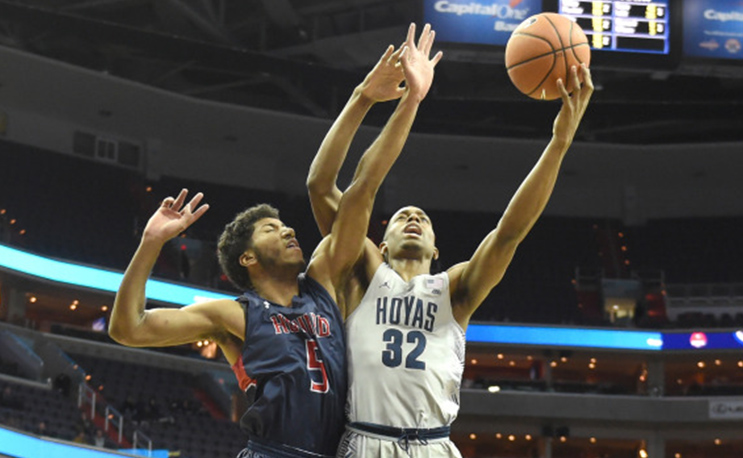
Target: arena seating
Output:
[(72, 227), (166, 405), (33, 405)]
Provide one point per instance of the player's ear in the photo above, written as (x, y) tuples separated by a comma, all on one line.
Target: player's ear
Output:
[(384, 250), (435, 253), (248, 258)]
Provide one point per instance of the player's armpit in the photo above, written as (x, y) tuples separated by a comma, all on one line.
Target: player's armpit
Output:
[(472, 281), (371, 259), (230, 345), (163, 327)]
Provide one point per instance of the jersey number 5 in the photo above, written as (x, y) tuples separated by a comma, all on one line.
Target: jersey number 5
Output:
[(392, 356), (316, 364)]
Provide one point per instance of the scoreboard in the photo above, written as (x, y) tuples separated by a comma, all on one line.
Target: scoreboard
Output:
[(622, 25)]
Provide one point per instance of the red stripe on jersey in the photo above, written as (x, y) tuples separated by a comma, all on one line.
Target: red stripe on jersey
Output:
[(242, 377)]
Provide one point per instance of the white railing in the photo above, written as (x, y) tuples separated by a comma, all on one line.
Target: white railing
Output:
[(705, 295), (111, 417), (139, 436), (721, 300), (116, 419), (86, 394)]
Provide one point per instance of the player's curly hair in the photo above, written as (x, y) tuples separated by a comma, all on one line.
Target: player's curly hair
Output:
[(236, 238)]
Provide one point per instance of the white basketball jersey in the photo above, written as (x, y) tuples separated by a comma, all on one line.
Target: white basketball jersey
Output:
[(405, 353)]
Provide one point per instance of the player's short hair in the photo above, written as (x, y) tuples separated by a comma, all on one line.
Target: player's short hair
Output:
[(238, 237)]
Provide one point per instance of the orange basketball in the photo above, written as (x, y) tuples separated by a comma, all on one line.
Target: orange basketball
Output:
[(541, 50)]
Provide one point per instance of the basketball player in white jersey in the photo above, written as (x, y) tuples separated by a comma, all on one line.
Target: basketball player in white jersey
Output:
[(405, 327)]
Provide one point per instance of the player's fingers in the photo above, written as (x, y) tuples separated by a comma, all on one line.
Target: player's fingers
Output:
[(424, 38), (574, 77), (395, 57), (167, 202), (587, 79), (194, 203), (563, 92), (178, 203), (387, 54), (588, 89), (437, 58), (429, 44), (200, 211), (411, 35)]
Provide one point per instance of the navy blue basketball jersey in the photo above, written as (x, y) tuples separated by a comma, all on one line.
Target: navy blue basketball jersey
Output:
[(293, 370)]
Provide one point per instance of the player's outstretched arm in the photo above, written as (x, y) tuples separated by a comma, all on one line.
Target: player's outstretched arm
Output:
[(354, 211), (380, 85), (473, 281), (131, 324)]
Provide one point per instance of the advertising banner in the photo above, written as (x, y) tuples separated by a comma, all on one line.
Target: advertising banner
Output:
[(726, 409), (487, 22), (713, 28)]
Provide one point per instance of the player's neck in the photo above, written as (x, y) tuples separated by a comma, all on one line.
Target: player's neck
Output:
[(409, 268), (279, 289)]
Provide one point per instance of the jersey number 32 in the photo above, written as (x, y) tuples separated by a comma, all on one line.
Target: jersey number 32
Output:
[(392, 356)]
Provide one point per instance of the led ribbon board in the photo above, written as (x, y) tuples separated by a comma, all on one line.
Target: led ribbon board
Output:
[(707, 340), (96, 278), (565, 337), (25, 446), (544, 336), (105, 280)]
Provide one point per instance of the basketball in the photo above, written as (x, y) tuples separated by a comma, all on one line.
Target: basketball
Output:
[(541, 50)]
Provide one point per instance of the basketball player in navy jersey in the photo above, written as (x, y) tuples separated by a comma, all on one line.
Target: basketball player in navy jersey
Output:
[(405, 328), (284, 335)]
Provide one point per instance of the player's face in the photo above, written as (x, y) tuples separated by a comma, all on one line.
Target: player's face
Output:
[(410, 234), (274, 244)]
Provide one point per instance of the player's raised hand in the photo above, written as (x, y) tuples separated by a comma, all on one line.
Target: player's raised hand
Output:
[(573, 106), (417, 64), (173, 217), (384, 81)]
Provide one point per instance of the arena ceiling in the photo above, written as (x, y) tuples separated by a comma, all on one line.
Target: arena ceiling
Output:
[(305, 56)]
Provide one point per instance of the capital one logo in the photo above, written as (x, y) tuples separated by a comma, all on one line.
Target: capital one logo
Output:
[(493, 9), (723, 16)]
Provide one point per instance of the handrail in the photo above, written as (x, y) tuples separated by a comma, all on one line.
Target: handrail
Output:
[(139, 435), (111, 415), (705, 290), (85, 393), (114, 417)]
